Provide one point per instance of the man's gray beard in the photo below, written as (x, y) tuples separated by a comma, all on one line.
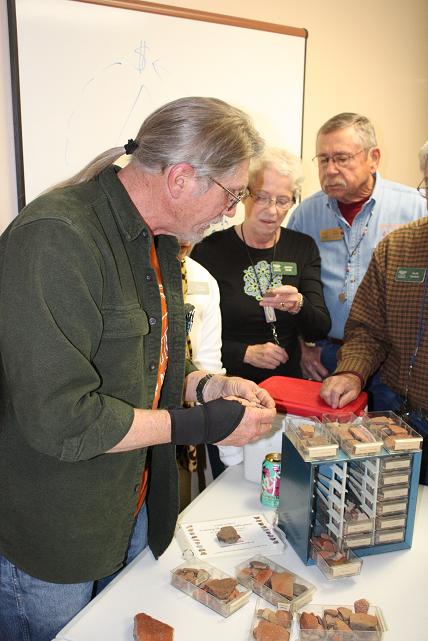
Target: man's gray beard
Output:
[(198, 235), (192, 238)]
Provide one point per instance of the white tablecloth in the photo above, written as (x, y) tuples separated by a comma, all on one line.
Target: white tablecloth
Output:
[(396, 582)]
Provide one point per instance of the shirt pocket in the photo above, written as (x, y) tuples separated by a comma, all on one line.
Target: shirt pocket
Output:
[(120, 357), (124, 322)]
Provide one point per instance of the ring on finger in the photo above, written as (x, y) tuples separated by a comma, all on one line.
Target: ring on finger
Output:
[(282, 305)]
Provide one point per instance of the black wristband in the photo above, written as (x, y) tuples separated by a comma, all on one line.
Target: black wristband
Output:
[(200, 387), (207, 423)]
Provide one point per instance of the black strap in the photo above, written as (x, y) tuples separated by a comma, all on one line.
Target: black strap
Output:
[(207, 423)]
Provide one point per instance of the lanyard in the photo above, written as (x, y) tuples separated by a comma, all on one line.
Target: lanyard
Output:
[(270, 315), (419, 336), (342, 295)]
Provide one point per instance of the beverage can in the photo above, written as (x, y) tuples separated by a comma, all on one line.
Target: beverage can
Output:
[(271, 479)]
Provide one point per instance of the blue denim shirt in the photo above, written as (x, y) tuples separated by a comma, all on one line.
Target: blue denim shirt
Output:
[(390, 206)]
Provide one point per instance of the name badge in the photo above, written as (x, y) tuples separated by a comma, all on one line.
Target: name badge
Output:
[(410, 274), (197, 287), (284, 269), (333, 233)]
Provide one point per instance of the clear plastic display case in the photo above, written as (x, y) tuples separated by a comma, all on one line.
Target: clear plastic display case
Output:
[(274, 583), (355, 438), (311, 439), (396, 435), (330, 622), (210, 586), (271, 622)]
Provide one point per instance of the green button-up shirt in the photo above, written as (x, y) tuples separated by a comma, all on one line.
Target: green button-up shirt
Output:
[(80, 329)]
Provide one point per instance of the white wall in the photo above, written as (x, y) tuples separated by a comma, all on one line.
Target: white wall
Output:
[(7, 161), (368, 56)]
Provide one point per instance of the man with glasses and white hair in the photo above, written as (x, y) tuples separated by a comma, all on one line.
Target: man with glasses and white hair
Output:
[(387, 326), (94, 376), (354, 211)]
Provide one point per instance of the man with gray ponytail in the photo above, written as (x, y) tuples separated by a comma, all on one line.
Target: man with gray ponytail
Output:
[(94, 376)]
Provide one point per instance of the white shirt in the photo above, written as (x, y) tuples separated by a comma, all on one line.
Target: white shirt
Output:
[(205, 335)]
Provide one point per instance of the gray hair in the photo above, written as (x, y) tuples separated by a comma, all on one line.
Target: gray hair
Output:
[(282, 161), (423, 156), (207, 133), (361, 124)]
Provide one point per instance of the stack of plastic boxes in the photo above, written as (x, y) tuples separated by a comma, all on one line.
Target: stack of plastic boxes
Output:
[(296, 399), (349, 484)]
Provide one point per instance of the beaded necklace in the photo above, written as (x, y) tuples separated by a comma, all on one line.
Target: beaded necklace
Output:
[(270, 315)]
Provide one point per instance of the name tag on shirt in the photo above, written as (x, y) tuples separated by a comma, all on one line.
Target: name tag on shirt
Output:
[(410, 274), (197, 287), (333, 233), (284, 269)]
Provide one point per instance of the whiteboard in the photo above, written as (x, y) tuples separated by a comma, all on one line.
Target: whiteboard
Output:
[(89, 74)]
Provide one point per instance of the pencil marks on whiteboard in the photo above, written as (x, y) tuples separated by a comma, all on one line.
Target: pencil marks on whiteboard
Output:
[(134, 78), (90, 75), (77, 110)]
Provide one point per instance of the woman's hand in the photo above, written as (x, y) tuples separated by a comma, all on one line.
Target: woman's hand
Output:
[(267, 355), (285, 298)]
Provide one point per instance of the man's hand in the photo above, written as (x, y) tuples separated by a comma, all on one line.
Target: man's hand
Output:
[(241, 389), (310, 363), (267, 355), (255, 423), (340, 390), (224, 386)]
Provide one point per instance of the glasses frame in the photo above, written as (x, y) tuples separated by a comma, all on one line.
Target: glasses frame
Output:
[(236, 197), (422, 188), (332, 158), (272, 200)]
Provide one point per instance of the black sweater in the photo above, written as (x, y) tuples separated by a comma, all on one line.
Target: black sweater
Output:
[(225, 256)]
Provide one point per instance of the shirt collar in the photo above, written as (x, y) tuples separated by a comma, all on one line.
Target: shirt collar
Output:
[(124, 210), (375, 196)]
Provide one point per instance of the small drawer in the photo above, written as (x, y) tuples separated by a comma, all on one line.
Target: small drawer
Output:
[(338, 565), (210, 586), (399, 462), (389, 492), (358, 540), (391, 522), (384, 508), (396, 477), (389, 536), (274, 583), (356, 521)]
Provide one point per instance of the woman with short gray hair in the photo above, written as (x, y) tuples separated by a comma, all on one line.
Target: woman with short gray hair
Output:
[(269, 276)]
